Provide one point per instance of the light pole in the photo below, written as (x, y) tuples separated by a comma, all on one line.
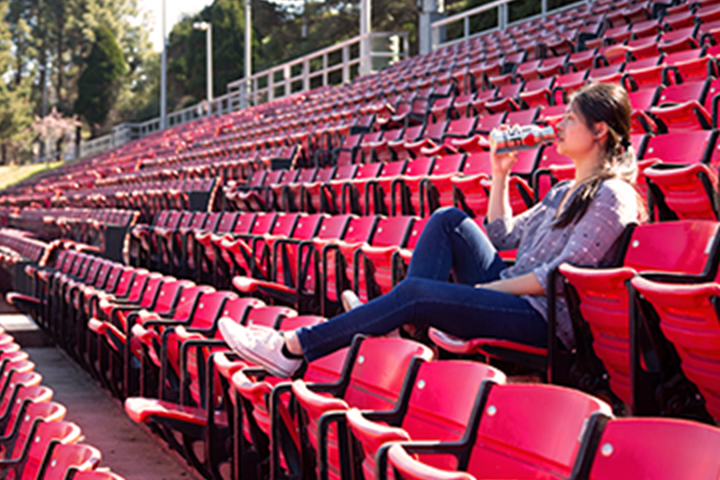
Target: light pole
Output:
[(163, 74), (207, 26)]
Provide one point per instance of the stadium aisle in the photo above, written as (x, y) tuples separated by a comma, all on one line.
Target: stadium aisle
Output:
[(126, 447)]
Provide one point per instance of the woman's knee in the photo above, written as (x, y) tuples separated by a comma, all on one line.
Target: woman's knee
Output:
[(411, 289), (448, 217)]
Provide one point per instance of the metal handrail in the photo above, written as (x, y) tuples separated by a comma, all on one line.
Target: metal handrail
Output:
[(502, 23)]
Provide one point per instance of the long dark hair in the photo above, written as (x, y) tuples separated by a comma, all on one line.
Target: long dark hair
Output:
[(609, 103)]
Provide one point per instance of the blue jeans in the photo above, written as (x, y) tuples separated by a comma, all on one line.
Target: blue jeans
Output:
[(451, 241)]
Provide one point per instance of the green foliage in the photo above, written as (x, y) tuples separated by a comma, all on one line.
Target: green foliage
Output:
[(99, 83)]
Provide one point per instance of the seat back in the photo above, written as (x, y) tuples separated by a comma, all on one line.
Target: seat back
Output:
[(46, 412), (378, 372), (146, 288), (227, 222), (244, 223), (170, 291), (440, 405), (263, 223), (44, 435), (683, 247), (62, 458), (656, 449), (682, 148), (689, 320), (125, 281), (531, 431), (603, 295), (15, 400)]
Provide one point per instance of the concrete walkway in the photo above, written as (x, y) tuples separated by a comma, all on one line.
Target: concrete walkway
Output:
[(128, 449)]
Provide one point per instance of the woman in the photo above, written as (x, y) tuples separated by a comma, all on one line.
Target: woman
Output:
[(580, 221)]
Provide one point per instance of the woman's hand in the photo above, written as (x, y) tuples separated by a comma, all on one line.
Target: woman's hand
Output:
[(502, 162)]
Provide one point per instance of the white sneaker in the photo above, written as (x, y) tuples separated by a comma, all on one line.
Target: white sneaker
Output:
[(350, 300), (260, 345)]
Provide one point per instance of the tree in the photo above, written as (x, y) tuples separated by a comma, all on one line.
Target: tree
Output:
[(15, 110), (99, 83)]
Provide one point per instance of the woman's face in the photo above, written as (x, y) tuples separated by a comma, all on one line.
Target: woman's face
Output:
[(574, 137)]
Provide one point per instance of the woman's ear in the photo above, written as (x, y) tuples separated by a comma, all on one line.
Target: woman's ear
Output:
[(601, 130)]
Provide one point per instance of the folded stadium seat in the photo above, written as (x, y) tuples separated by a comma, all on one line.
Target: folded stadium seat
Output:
[(522, 117), (360, 386), (611, 36), (485, 124), (479, 72), (193, 412), (687, 186), (647, 73), (44, 435), (433, 133), (331, 191), (683, 192), (568, 83), (375, 148), (678, 39), (357, 269), (688, 319), (690, 65), (462, 105), (306, 195), (645, 448), (712, 100), (291, 200), (609, 74), (358, 193), (186, 240), (461, 129), (359, 230), (139, 241), (391, 193), (16, 400), (612, 55), (270, 420), (527, 71), (255, 198), (234, 253), (296, 282), (537, 93), (435, 189), (514, 433), (241, 225), (708, 33), (680, 108), (252, 253), (230, 190), (161, 295), (64, 459), (157, 231), (161, 343), (436, 407), (504, 101), (553, 66), (441, 109), (471, 189), (551, 169), (278, 190), (410, 135), (175, 242), (686, 249), (20, 439), (580, 61)]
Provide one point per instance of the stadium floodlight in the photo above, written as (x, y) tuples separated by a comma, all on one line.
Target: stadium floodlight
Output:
[(207, 27)]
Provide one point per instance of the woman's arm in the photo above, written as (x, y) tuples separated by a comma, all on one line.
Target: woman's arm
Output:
[(521, 285), (499, 201)]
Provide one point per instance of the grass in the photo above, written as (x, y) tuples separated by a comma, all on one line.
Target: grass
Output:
[(10, 175)]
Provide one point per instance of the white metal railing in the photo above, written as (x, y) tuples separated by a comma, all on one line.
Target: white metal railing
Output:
[(303, 74), (439, 27), (385, 48)]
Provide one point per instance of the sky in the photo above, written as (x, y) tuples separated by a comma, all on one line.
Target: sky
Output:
[(175, 11)]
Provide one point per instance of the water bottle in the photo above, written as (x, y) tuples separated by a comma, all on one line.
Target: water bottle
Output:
[(520, 138)]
